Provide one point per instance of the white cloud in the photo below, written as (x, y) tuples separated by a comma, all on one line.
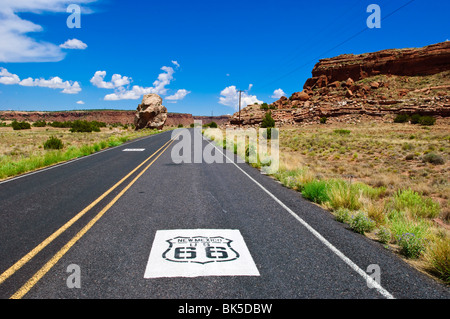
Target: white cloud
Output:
[(278, 94), (80, 102), (8, 78), (176, 64), (230, 97), (124, 93), (68, 87), (179, 95), (117, 80), (17, 43), (74, 44)]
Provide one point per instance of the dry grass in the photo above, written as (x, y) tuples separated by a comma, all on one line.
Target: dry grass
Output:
[(380, 170), (23, 151)]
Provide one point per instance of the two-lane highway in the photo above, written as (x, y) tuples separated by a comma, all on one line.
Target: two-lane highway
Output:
[(186, 230)]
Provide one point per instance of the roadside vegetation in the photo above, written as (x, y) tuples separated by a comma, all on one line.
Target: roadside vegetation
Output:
[(41, 144), (389, 182)]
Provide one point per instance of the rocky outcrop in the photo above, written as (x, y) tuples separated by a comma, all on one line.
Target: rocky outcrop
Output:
[(428, 60), (105, 116), (375, 86), (150, 113)]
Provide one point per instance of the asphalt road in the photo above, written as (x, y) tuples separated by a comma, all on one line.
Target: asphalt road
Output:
[(298, 249)]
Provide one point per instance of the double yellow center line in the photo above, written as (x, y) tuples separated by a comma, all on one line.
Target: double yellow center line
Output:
[(33, 280)]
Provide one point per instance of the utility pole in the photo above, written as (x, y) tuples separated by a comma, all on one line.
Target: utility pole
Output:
[(240, 91)]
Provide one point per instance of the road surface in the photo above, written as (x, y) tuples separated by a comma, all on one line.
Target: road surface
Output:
[(135, 224)]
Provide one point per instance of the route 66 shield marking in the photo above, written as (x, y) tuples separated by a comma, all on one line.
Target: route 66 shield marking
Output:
[(200, 249), (199, 252)]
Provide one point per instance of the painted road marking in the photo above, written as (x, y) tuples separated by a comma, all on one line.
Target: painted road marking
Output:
[(41, 272), (11, 270), (134, 150), (199, 252), (348, 261)]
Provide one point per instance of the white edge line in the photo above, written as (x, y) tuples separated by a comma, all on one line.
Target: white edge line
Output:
[(344, 258), (76, 159)]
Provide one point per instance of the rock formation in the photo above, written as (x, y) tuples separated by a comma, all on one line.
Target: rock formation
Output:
[(376, 85), (150, 113), (428, 60)]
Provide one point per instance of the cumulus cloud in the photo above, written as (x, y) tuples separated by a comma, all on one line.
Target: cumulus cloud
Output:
[(176, 64), (117, 80), (120, 84), (179, 95), (8, 78), (17, 43), (73, 44), (230, 97), (68, 87), (80, 102), (278, 94)]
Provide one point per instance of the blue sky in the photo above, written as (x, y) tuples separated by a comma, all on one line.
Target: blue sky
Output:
[(195, 53)]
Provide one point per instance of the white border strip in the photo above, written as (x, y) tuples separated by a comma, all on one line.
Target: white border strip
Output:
[(76, 159), (344, 258)]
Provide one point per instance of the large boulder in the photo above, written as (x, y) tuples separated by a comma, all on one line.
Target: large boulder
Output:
[(150, 113)]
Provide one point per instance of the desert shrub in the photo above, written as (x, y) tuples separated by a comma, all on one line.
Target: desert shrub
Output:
[(438, 257), (399, 224), (342, 132), (412, 246), (360, 223), (53, 143), (40, 123), (268, 121), (65, 124), (343, 215), (414, 203), (433, 159), (323, 120), (180, 125), (84, 126), (415, 118), (264, 106), (427, 120), (343, 194), (384, 235), (20, 125), (401, 118), (316, 191)]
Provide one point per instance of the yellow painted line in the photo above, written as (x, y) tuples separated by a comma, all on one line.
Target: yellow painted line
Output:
[(41, 272), (11, 270)]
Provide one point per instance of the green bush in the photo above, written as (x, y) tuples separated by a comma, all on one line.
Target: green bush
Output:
[(268, 121), (40, 123), (20, 125), (384, 235), (415, 118), (401, 118), (84, 126), (427, 120), (316, 191), (342, 132), (433, 159), (360, 223), (343, 215), (412, 246), (323, 120), (414, 203), (53, 143), (212, 125), (264, 106)]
